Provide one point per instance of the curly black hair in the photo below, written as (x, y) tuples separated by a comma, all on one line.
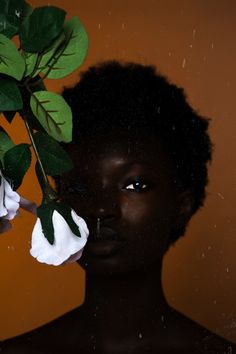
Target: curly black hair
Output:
[(134, 96)]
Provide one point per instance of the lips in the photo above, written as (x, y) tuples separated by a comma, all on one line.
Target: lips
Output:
[(104, 243), (104, 233)]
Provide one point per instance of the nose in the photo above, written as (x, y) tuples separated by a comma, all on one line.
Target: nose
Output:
[(105, 206)]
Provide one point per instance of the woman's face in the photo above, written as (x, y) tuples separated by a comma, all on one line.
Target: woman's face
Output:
[(123, 187)]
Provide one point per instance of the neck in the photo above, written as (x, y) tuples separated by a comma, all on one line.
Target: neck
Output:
[(132, 302)]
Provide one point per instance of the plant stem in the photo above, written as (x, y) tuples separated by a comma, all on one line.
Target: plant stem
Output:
[(29, 130), (50, 194)]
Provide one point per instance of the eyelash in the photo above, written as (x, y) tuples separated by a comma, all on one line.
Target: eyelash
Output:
[(138, 187)]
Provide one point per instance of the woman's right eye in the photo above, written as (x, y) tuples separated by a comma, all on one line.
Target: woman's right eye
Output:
[(136, 186), (75, 189)]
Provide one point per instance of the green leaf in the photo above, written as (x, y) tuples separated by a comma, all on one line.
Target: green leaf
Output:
[(49, 53), (47, 190), (54, 159), (11, 61), (40, 178), (16, 163), (65, 211), (35, 84), (12, 12), (45, 212), (41, 28), (71, 54), (53, 113), (5, 143), (30, 62), (10, 96)]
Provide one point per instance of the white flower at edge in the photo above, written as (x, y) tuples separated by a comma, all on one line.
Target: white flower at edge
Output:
[(66, 247), (9, 200)]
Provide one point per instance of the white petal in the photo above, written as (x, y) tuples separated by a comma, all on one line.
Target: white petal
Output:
[(12, 206), (74, 257), (3, 210), (11, 201), (9, 191), (65, 243)]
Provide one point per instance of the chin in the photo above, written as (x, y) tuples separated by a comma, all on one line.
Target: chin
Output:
[(101, 266), (114, 265)]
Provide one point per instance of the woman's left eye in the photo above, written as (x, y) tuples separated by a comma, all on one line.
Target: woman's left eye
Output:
[(136, 186)]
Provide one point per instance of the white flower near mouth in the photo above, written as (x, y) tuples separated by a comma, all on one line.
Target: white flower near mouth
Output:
[(9, 200), (67, 245)]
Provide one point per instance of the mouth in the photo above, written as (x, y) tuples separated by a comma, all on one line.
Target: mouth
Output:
[(104, 243), (104, 234)]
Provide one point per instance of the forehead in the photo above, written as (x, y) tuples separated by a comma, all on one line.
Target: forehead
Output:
[(120, 150)]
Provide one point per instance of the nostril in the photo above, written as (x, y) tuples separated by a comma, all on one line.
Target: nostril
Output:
[(104, 206)]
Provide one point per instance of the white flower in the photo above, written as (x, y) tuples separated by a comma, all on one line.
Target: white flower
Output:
[(67, 246), (9, 200)]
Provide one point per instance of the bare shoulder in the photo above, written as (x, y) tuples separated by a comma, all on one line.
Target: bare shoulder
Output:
[(193, 336), (69, 334), (47, 339)]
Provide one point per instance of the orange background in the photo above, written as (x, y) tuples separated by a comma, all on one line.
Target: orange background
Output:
[(193, 43)]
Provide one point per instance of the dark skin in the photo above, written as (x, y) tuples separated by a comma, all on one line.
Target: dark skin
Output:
[(128, 183)]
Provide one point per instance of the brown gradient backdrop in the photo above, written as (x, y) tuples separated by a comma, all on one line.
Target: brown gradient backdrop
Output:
[(193, 43)]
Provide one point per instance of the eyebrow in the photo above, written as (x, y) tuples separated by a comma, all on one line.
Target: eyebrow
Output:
[(125, 166), (132, 163)]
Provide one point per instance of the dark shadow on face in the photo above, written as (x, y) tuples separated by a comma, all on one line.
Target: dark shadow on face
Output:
[(123, 187)]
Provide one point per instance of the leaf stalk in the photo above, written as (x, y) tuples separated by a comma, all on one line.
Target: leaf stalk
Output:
[(48, 193)]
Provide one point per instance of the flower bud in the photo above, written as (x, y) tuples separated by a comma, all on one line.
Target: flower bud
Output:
[(9, 200), (68, 237)]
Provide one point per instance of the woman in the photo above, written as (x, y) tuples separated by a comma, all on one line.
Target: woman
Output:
[(140, 154)]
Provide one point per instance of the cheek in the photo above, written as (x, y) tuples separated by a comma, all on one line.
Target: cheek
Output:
[(147, 227), (148, 212), (134, 211)]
